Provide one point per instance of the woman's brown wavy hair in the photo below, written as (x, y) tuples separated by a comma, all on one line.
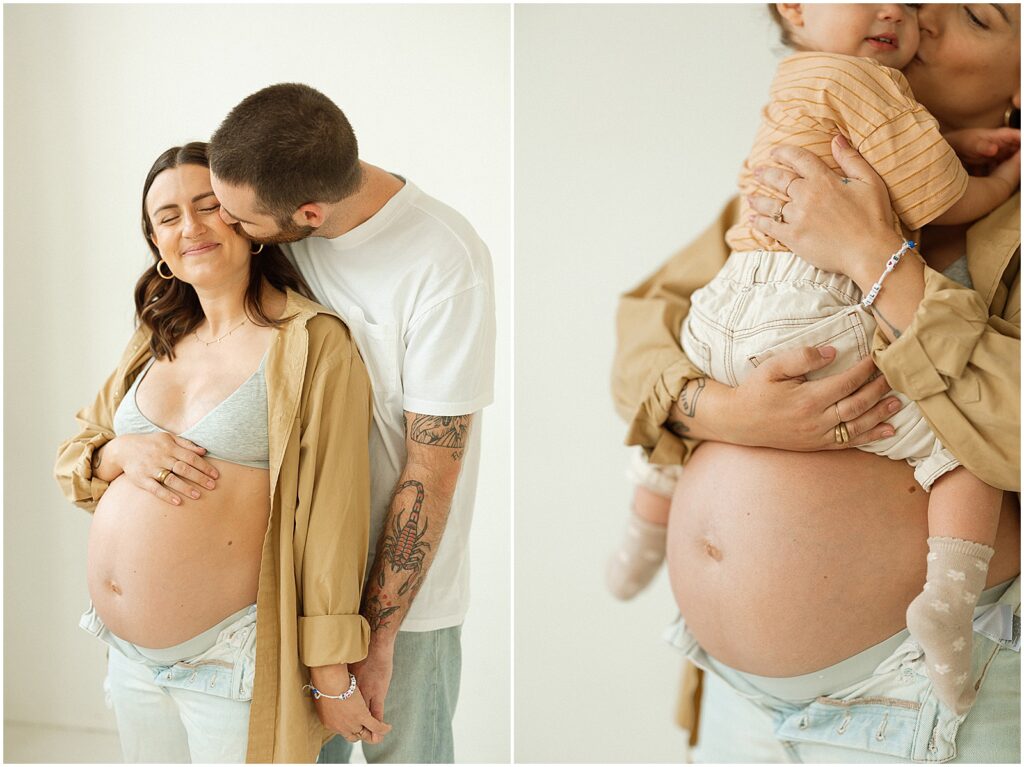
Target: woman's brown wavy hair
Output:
[(171, 308)]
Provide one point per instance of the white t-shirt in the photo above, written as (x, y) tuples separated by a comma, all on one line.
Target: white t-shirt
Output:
[(414, 284)]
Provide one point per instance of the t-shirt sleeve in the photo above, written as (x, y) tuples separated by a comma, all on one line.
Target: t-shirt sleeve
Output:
[(922, 172), (875, 108), (449, 357)]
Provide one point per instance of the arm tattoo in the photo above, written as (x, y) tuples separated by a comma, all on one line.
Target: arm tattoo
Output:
[(678, 428), (404, 548), (448, 431), (895, 332), (690, 394), (376, 614)]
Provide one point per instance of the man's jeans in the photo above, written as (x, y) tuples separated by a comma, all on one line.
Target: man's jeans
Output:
[(890, 716), (420, 703)]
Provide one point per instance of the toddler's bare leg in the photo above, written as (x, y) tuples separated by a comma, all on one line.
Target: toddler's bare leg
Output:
[(963, 516)]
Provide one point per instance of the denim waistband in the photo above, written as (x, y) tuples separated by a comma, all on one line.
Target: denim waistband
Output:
[(841, 674), (190, 648)]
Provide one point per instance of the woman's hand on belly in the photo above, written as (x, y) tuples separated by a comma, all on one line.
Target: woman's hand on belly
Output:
[(143, 458), (785, 563), (159, 575)]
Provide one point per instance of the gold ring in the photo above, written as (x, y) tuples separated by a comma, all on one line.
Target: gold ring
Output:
[(163, 475), (841, 434), (839, 418)]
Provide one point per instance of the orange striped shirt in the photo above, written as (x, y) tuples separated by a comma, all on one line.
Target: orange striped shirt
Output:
[(816, 95)]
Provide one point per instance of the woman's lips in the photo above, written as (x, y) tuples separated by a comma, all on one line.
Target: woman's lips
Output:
[(198, 250)]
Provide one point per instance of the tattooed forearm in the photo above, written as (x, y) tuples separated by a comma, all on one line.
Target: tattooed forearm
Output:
[(404, 548), (892, 328), (377, 612), (689, 395), (416, 519), (441, 430)]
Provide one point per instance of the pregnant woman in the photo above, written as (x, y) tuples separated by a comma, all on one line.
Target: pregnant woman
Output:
[(793, 576), (226, 464)]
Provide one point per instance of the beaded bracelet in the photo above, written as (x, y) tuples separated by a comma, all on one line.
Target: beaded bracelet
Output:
[(317, 695), (889, 266)]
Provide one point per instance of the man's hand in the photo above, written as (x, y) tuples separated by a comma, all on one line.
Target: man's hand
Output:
[(374, 675)]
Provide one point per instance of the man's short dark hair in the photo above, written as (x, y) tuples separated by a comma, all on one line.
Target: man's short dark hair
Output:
[(291, 144)]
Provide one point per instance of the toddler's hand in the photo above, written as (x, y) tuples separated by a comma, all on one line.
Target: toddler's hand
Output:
[(980, 149)]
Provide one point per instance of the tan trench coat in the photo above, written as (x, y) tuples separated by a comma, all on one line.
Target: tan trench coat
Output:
[(314, 554)]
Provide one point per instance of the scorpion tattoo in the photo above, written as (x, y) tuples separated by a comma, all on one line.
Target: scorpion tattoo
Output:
[(404, 547)]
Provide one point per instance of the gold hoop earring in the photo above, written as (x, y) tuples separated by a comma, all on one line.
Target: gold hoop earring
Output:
[(1008, 121), (160, 263), (257, 251)]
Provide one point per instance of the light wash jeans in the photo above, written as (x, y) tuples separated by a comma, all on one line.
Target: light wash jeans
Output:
[(420, 703), (890, 716), (187, 703)]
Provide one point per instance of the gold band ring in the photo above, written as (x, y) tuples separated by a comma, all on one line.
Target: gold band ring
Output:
[(839, 418), (163, 475), (841, 434)]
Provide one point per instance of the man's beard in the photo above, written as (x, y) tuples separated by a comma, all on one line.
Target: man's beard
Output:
[(289, 232)]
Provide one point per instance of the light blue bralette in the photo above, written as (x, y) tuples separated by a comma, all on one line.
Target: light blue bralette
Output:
[(234, 431)]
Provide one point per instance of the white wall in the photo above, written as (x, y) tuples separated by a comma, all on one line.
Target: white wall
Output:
[(92, 95), (631, 125)]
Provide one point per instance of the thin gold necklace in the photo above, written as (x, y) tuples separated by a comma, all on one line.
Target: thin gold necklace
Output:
[(218, 340)]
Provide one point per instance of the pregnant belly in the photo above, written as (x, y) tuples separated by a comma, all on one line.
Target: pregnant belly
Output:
[(160, 574), (785, 563)]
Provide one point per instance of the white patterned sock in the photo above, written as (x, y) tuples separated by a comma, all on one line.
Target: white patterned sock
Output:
[(941, 616), (636, 561)]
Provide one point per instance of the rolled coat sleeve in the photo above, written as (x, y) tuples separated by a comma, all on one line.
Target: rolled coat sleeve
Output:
[(73, 469), (335, 477), (650, 368), (961, 364)]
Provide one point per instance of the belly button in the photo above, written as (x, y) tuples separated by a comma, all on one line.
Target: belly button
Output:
[(115, 588), (712, 551)]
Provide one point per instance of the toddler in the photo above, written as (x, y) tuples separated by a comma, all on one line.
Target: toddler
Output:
[(766, 300)]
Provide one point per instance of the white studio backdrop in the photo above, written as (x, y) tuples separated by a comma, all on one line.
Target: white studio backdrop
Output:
[(631, 123), (92, 94)]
